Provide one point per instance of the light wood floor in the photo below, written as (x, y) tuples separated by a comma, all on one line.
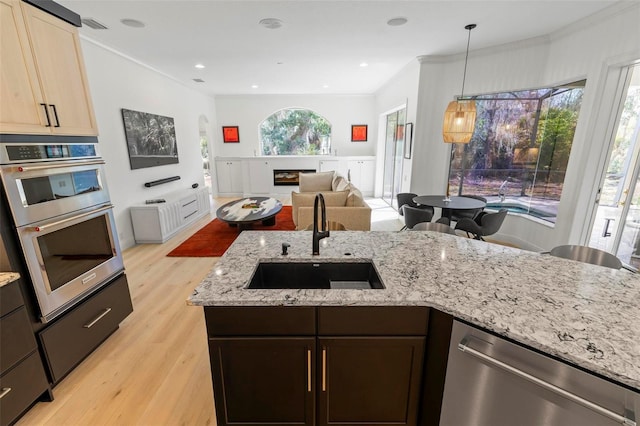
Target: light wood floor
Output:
[(155, 369)]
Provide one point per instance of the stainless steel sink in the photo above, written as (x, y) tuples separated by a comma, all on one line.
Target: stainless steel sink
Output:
[(315, 275)]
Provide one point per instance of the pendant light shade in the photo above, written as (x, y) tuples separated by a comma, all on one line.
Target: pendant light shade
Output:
[(460, 115), (459, 121)]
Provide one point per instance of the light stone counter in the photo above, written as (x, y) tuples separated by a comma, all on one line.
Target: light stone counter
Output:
[(8, 277), (585, 314)]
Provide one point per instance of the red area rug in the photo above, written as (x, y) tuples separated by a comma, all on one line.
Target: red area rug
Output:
[(216, 237)]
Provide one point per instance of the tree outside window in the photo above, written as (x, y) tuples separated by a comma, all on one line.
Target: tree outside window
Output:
[(295, 131), (517, 157)]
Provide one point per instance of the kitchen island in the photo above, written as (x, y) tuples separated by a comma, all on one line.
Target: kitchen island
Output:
[(583, 314)]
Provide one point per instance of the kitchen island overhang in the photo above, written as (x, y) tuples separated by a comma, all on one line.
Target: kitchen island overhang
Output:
[(580, 313)]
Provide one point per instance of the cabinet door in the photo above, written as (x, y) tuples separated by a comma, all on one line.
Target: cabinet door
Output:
[(235, 171), (362, 174), (261, 177), (329, 165), (222, 174), (58, 57), (20, 109), (367, 176), (369, 381), (259, 381)]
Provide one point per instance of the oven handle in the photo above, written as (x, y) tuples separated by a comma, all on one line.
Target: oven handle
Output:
[(69, 219), (56, 165)]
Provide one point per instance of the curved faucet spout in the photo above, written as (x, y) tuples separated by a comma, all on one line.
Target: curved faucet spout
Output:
[(323, 232)]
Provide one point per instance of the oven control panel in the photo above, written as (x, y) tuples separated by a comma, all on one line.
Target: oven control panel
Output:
[(18, 153)]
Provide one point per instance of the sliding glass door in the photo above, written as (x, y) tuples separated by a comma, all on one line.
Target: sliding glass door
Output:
[(617, 225), (393, 155)]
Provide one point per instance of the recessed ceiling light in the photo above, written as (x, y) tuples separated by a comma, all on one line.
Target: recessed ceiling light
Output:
[(364, 64), (199, 66), (133, 23), (271, 23), (326, 86), (395, 22), (254, 86)]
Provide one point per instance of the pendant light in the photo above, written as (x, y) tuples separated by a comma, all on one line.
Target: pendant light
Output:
[(460, 116)]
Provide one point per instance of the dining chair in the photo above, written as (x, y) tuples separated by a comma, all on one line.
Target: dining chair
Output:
[(587, 255), (456, 215), (483, 224), (415, 215), (406, 199), (434, 226)]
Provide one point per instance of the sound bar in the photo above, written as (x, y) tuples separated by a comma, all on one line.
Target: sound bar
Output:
[(161, 181)]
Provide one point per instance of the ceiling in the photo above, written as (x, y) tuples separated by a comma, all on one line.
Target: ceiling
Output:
[(321, 43)]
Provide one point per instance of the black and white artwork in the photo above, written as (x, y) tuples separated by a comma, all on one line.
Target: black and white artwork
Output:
[(151, 139)]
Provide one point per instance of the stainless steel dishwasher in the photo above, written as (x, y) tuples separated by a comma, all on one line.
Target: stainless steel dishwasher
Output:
[(491, 381)]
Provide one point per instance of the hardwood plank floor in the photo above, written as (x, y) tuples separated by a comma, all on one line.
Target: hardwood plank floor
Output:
[(154, 370)]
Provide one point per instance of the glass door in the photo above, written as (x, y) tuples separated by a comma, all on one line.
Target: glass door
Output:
[(617, 225), (393, 156)]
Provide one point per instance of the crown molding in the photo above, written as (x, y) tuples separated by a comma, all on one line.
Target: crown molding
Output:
[(486, 51), (617, 8)]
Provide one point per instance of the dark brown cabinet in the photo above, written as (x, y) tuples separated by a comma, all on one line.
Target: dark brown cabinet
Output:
[(262, 381), (324, 365), (369, 381), (22, 376), (77, 333)]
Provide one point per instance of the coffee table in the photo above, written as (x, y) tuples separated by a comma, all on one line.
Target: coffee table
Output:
[(246, 211)]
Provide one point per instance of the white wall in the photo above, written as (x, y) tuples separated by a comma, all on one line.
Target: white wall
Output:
[(402, 89), (117, 82), (584, 50), (248, 111)]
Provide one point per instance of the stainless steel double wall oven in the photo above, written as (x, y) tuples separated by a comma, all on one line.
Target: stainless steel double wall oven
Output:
[(60, 204)]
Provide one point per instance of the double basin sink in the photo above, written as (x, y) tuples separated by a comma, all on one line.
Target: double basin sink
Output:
[(315, 275)]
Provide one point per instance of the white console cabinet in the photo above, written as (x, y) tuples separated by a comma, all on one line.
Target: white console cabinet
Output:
[(156, 223), (247, 176)]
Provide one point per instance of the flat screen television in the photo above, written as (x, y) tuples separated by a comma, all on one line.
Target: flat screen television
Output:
[(151, 139)]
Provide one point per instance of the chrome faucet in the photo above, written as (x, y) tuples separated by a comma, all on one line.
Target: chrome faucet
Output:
[(324, 232)]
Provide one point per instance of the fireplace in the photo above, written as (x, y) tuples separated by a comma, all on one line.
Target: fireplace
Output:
[(289, 177)]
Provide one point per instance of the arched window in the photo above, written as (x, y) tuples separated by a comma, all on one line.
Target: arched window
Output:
[(295, 131)]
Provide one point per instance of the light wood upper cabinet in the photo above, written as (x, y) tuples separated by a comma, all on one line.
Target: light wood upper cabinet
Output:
[(54, 56), (20, 95)]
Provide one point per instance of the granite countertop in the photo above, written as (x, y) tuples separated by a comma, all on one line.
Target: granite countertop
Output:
[(8, 277), (585, 314)]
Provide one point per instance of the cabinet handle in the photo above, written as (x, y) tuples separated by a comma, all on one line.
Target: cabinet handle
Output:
[(46, 111), (308, 370), (69, 219), (98, 318), (55, 115), (4, 392), (463, 346), (324, 369)]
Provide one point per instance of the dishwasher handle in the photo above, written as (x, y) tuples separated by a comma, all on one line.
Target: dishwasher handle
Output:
[(546, 385)]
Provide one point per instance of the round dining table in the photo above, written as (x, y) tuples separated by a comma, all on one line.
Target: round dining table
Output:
[(453, 203)]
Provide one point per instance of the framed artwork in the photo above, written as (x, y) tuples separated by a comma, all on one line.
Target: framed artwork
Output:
[(358, 133), (230, 134), (151, 139), (408, 132)]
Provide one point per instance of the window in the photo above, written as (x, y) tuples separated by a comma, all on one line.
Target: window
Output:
[(518, 155), (295, 131)]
